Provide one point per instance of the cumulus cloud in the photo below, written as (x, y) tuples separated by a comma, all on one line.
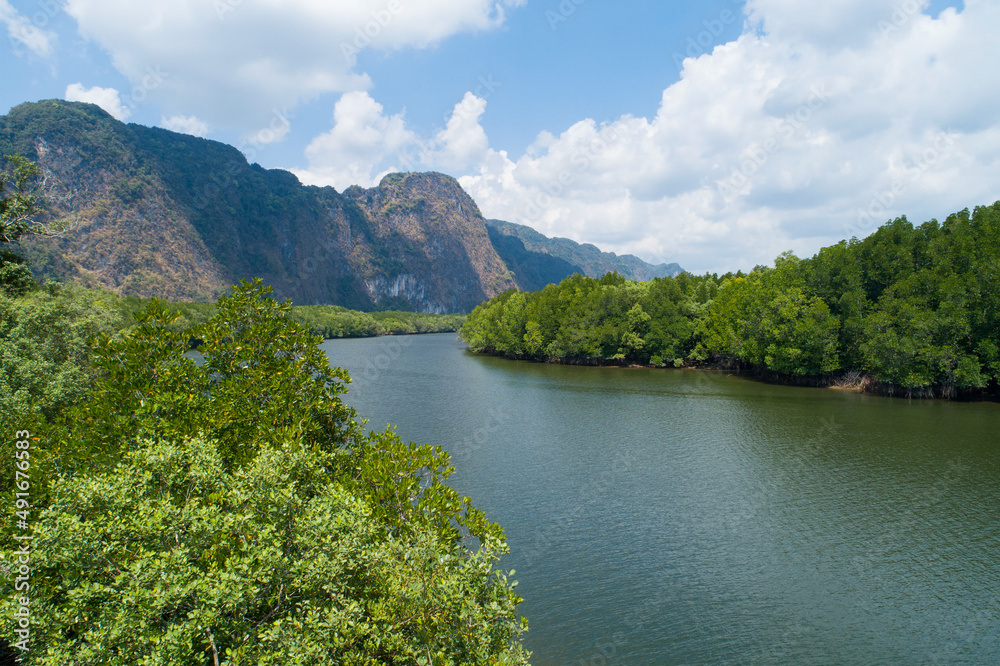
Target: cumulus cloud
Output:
[(107, 98), (817, 124), (225, 62), (353, 152), (463, 141), (365, 144), (185, 125), (22, 31), (834, 24)]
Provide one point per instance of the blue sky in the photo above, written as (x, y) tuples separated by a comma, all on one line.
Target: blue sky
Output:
[(716, 134)]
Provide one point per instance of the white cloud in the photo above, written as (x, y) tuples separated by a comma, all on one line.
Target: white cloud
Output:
[(832, 24), (106, 98), (794, 136), (361, 139), (185, 125), (463, 142), (235, 63), (785, 139), (275, 130), (24, 32), (365, 144)]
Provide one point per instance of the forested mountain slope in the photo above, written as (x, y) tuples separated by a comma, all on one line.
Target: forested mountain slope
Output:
[(166, 214), (536, 259), (157, 213)]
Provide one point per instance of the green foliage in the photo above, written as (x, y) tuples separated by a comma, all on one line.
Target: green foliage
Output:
[(171, 558), (913, 307), (18, 203), (327, 321), (331, 321), (15, 274), (263, 379), (767, 321), (44, 353), (237, 510), (583, 319), (395, 322)]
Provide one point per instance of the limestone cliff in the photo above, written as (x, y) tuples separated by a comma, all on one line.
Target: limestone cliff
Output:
[(157, 213), (166, 214)]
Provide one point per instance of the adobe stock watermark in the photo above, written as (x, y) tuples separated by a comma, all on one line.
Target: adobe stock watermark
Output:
[(705, 40), (562, 12), (909, 519), (604, 485), (322, 252), (495, 419), (759, 153), (465, 111), (23, 538), (45, 14), (363, 35), (389, 349), (19, 33), (153, 79), (878, 208), (902, 14), (484, 89), (223, 7), (613, 649), (582, 159)]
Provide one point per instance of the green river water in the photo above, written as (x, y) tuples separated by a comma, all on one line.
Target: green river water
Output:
[(690, 517)]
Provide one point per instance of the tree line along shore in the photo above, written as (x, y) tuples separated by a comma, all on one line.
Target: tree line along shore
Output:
[(911, 310)]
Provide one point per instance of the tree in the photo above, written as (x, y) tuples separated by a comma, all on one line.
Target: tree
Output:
[(767, 321), (19, 204), (800, 334), (19, 209), (171, 558), (44, 352), (15, 274), (236, 512), (916, 308)]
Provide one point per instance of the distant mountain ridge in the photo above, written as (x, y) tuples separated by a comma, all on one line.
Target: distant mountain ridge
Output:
[(157, 213), (580, 257)]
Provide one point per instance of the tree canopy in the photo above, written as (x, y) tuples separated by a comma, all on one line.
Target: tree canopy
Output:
[(19, 204), (237, 512), (909, 308)]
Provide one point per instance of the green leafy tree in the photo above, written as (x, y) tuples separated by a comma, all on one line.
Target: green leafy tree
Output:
[(18, 208), (173, 558), (15, 274), (19, 205), (913, 308), (800, 335), (44, 351), (236, 512)]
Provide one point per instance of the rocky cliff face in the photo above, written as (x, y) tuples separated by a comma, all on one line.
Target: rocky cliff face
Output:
[(160, 213), (424, 225), (156, 213)]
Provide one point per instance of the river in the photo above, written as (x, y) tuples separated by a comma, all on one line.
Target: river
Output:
[(690, 517)]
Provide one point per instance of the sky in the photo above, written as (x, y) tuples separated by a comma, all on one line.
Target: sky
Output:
[(716, 134)]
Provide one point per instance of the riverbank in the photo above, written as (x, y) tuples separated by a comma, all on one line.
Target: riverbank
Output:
[(855, 381)]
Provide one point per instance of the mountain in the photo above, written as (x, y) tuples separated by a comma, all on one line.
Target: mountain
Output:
[(537, 260), (157, 213), (167, 214)]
